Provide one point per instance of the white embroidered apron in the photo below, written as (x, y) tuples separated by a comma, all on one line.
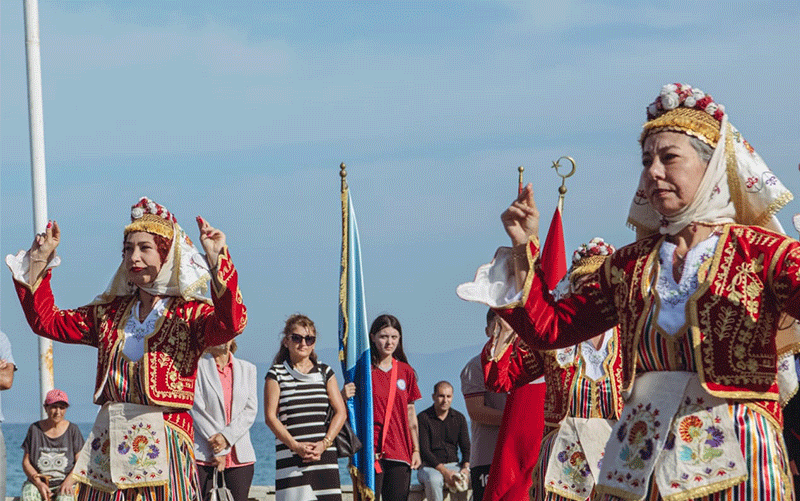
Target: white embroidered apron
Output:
[(576, 456), (126, 448), (673, 430)]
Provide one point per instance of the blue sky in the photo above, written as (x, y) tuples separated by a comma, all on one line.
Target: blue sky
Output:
[(242, 112)]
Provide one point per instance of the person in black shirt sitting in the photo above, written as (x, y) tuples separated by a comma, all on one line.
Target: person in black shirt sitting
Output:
[(442, 432)]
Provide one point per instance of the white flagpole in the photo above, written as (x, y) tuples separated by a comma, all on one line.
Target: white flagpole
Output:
[(38, 177)]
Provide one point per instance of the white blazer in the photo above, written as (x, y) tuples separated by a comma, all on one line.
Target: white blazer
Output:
[(208, 410)]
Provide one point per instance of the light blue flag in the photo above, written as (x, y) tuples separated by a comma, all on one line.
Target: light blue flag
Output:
[(354, 351)]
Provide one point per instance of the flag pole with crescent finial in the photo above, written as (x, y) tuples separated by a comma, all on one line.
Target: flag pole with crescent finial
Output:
[(562, 190)]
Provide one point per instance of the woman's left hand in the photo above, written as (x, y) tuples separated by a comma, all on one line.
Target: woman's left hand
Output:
[(317, 448), (218, 443), (67, 486), (219, 462), (416, 460), (212, 240)]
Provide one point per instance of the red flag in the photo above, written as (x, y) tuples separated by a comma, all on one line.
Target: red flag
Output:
[(518, 443), (521, 430), (554, 253)]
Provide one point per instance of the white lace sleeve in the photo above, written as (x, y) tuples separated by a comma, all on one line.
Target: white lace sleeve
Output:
[(494, 284), (20, 265)]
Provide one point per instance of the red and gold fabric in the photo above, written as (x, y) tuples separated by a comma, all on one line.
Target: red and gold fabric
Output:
[(569, 391), (163, 378), (733, 317), (167, 370)]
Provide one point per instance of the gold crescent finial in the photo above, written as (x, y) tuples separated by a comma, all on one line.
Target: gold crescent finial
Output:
[(562, 190)]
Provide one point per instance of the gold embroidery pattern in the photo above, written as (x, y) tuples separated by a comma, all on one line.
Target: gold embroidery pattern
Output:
[(554, 409), (733, 309), (780, 287), (557, 394), (631, 300), (172, 356), (225, 268), (745, 287)]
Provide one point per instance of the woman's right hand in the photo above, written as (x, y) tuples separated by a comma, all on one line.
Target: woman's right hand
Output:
[(521, 219), (306, 451), (348, 391), (43, 488), (44, 244)]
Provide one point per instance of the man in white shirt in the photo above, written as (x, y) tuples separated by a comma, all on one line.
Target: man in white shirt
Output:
[(485, 409)]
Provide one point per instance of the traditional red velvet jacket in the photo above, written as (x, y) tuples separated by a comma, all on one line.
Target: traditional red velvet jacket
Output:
[(733, 316), (518, 365), (169, 364)]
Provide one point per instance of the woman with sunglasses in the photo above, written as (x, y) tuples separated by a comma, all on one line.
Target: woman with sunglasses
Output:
[(297, 394)]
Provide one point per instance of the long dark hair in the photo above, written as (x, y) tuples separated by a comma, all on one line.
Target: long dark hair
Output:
[(283, 352), (382, 322)]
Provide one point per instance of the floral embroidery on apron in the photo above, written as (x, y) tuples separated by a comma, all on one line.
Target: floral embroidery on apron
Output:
[(126, 448), (577, 453), (673, 429)]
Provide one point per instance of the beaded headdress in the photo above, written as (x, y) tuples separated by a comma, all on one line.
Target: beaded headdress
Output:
[(681, 108), (589, 257), (151, 217), (586, 259)]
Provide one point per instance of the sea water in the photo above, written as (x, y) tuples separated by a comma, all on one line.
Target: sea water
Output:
[(261, 436)]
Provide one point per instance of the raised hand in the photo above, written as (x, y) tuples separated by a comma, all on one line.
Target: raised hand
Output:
[(42, 250), (521, 219), (212, 240), (44, 244)]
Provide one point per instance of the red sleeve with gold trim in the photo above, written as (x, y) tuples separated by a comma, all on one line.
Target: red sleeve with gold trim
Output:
[(786, 278), (544, 323), (44, 317), (517, 366), (228, 317)]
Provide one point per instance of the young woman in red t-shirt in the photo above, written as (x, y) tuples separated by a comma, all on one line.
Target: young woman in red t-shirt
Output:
[(398, 448)]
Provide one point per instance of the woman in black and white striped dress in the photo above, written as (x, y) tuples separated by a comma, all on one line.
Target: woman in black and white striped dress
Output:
[(297, 394)]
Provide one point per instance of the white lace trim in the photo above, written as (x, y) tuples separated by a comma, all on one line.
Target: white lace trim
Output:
[(19, 264), (674, 295), (136, 331), (595, 358)]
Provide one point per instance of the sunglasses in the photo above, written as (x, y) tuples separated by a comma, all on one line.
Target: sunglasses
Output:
[(297, 339)]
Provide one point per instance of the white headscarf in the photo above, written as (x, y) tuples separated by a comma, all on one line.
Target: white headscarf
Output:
[(736, 187), (184, 273)]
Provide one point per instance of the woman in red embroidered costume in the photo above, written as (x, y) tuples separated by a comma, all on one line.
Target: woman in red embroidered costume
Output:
[(150, 327), (583, 397), (699, 300)]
